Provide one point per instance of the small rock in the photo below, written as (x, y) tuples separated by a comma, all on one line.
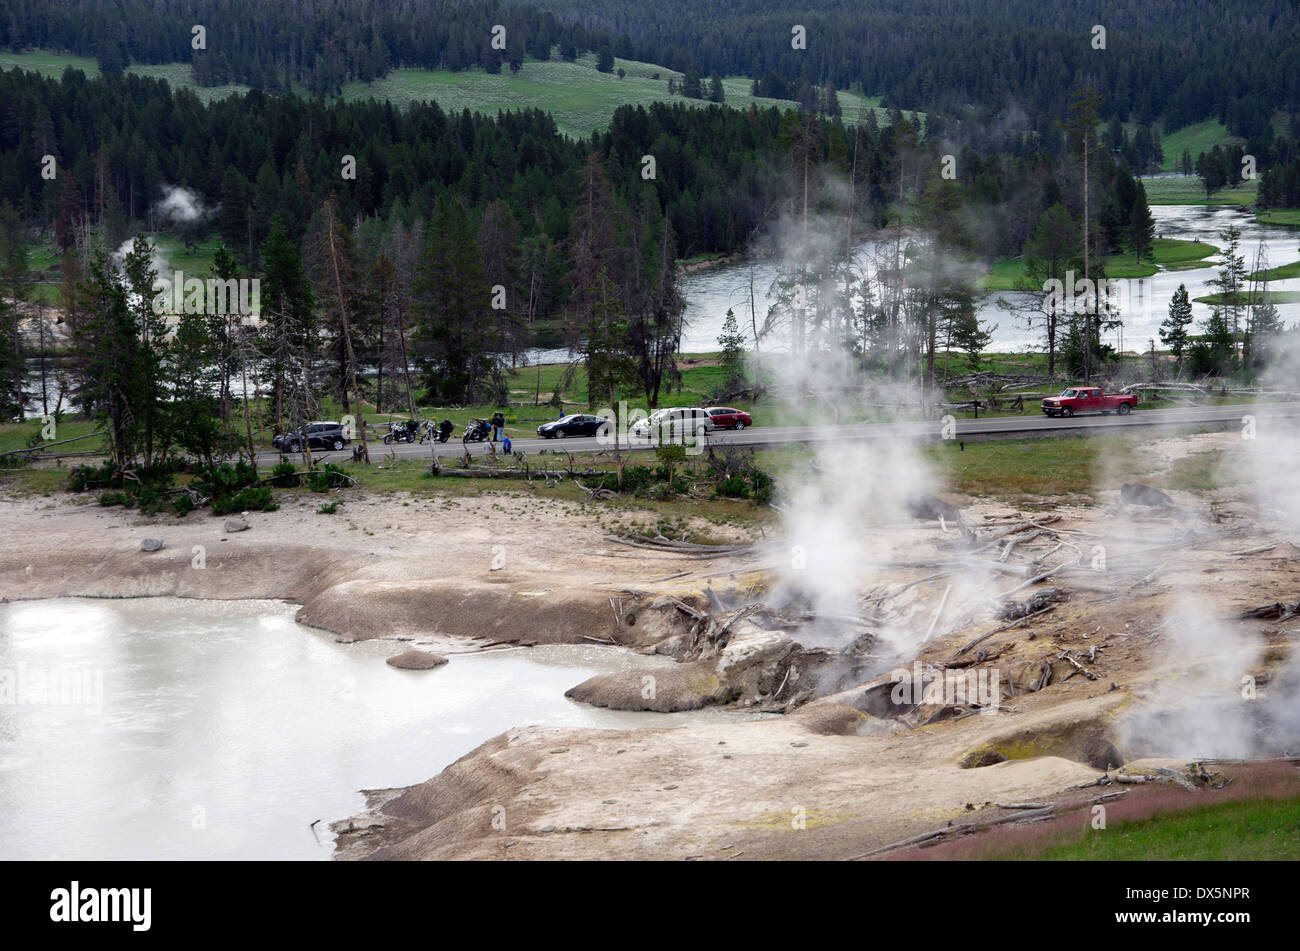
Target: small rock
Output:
[(416, 660), (932, 507), (1135, 493), (236, 525), (151, 544), (799, 744)]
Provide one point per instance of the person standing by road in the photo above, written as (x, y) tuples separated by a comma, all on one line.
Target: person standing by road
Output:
[(498, 424)]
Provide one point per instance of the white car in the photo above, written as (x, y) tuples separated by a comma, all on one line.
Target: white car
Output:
[(672, 421)]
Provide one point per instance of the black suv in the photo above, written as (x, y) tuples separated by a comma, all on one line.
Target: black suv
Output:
[(319, 436)]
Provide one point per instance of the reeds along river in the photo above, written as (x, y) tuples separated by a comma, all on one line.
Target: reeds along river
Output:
[(166, 728)]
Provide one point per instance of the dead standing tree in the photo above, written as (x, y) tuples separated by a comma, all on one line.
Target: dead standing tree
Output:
[(333, 251)]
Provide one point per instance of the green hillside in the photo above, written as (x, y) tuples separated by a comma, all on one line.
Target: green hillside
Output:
[(1195, 139), (580, 97), (53, 64)]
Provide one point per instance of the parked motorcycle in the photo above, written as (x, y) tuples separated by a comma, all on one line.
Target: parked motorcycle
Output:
[(477, 430), (404, 431), (439, 433)]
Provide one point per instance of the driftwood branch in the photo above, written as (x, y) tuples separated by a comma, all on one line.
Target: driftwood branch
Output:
[(1005, 627)]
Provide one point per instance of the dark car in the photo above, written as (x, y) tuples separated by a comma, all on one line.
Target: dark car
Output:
[(575, 424), (319, 436), (724, 417)]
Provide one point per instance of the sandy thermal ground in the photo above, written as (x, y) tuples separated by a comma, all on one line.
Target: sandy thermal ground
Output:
[(1149, 598), (455, 573)]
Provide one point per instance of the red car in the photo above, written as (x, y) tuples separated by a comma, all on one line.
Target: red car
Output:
[(723, 417), (1087, 399)]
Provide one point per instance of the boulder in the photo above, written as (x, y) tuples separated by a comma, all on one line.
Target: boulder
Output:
[(416, 660), (236, 525), (151, 544), (1135, 493), (689, 685), (751, 666)]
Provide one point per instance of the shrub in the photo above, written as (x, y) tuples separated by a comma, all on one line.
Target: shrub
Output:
[(732, 487), (226, 478), (147, 498), (250, 499), (326, 477), (285, 475), (85, 477), (183, 504)]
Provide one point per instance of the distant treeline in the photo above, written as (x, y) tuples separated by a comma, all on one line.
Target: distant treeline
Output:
[(316, 44), (119, 139), (1280, 185), (1176, 61), (721, 177)]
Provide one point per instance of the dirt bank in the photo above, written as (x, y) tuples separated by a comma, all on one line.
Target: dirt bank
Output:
[(456, 574)]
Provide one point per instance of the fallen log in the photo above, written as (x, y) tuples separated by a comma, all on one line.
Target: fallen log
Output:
[(1277, 611), (1005, 627), (1023, 805), (1154, 573), (61, 442), (1043, 577), (482, 472), (962, 829)]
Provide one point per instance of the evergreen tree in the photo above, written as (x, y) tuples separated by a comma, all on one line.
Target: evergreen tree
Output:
[(455, 339), (607, 348), (290, 328), (716, 93), (691, 86), (12, 366), (964, 330), (1141, 226), (193, 411), (151, 326), (1173, 330), (1232, 278), (732, 340), (1215, 354), (15, 288), (107, 352)]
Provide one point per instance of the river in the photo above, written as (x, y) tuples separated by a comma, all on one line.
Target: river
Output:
[(709, 292), (217, 729)]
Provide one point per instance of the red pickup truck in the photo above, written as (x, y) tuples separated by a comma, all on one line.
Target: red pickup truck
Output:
[(1087, 399)]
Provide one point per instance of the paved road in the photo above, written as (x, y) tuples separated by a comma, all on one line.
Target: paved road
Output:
[(973, 429)]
